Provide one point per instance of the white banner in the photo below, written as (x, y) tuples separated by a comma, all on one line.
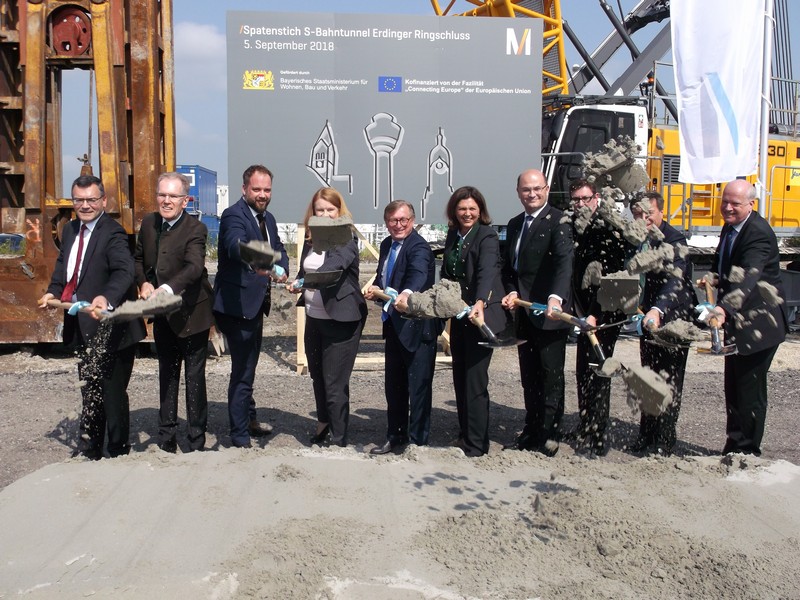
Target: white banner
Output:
[(717, 50)]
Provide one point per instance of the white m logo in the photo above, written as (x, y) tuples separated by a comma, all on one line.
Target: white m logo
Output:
[(518, 47)]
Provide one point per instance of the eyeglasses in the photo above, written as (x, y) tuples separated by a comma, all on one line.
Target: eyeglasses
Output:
[(581, 198), (161, 196), (92, 201), (532, 190), (402, 222)]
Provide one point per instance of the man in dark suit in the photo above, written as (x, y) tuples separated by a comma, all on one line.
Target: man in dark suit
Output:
[(406, 264), (537, 267), (751, 307), (596, 244), (667, 295), (95, 265), (170, 258), (242, 297)]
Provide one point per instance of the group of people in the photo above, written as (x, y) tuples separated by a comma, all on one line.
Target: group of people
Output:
[(549, 262)]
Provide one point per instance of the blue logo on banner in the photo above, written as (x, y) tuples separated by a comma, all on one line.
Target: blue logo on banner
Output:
[(390, 84)]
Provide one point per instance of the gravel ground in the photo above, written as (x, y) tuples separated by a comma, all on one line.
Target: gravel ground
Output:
[(40, 401)]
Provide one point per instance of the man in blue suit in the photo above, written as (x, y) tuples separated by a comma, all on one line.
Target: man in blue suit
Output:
[(242, 297), (406, 264)]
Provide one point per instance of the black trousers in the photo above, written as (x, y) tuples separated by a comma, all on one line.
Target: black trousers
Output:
[(331, 349), (746, 400), (173, 352), (471, 383), (594, 392), (541, 369), (671, 362), (106, 407), (408, 377)]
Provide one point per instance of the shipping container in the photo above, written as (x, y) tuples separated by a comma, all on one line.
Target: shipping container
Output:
[(202, 189), (212, 223)]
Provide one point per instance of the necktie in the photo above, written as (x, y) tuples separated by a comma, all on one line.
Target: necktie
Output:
[(164, 227), (525, 228), (69, 289), (644, 247), (724, 263), (387, 276), (262, 226)]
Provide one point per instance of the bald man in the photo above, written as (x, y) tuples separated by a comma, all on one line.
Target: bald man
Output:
[(752, 313)]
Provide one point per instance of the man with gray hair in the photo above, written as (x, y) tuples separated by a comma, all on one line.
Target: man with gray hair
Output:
[(170, 258), (406, 264), (751, 308)]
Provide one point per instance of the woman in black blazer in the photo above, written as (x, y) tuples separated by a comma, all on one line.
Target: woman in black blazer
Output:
[(472, 258), (335, 317)]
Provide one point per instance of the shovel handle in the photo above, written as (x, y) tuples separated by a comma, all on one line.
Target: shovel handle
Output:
[(56, 303), (709, 292), (485, 329), (598, 349), (381, 296)]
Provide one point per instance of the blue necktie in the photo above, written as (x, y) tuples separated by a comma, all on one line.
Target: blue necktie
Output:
[(521, 239), (387, 275)]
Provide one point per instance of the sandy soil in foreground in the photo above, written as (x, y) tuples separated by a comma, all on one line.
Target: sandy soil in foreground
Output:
[(286, 520)]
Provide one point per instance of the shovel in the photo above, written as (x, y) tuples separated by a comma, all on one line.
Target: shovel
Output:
[(717, 347), (581, 324), (156, 306), (319, 280), (259, 255)]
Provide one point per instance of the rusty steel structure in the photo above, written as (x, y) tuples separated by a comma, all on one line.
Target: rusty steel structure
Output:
[(127, 44)]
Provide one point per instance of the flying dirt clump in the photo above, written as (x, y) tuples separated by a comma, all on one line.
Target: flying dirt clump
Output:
[(678, 332), (330, 233), (649, 388), (614, 169), (442, 301), (619, 291)]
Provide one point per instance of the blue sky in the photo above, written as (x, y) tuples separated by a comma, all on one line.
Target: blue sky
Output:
[(200, 65)]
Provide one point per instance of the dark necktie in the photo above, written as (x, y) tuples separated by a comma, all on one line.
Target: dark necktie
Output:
[(262, 226), (525, 228), (69, 290), (725, 259), (164, 229)]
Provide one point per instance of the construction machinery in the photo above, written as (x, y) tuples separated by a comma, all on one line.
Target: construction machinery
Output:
[(637, 105), (126, 46)]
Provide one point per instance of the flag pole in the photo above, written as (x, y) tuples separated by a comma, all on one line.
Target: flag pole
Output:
[(766, 78)]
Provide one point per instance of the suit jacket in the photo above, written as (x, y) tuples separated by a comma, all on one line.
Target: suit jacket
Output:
[(545, 262), (481, 260), (177, 258), (756, 325), (673, 296), (597, 243), (414, 269), (344, 300), (238, 290), (107, 271)]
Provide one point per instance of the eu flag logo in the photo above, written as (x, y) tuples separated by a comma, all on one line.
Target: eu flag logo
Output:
[(390, 84)]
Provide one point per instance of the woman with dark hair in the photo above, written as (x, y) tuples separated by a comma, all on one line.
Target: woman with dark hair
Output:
[(472, 258), (335, 317)]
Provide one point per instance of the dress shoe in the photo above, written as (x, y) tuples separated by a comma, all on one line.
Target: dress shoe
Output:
[(89, 452), (257, 429), (170, 446), (247, 444), (396, 447), (640, 445), (523, 442), (549, 448), (322, 436)]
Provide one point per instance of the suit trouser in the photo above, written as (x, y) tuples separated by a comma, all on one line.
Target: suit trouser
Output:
[(106, 405), (746, 400), (173, 351), (331, 349), (244, 341), (408, 377), (471, 383), (661, 430), (541, 369), (594, 391)]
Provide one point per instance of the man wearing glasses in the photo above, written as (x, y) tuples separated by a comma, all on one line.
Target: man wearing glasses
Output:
[(406, 264), (170, 259), (95, 265), (537, 267), (599, 250)]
